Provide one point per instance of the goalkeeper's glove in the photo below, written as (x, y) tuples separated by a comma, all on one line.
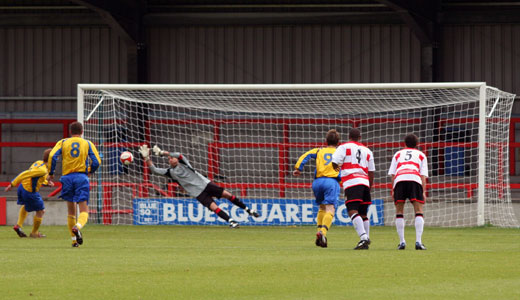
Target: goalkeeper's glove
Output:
[(145, 151), (157, 150)]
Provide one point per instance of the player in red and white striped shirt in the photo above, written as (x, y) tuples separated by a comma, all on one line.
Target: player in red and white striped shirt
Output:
[(357, 175), (409, 170)]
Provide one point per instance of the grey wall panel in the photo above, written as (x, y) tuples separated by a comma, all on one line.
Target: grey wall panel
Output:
[(489, 53), (283, 54), (51, 61), (38, 108)]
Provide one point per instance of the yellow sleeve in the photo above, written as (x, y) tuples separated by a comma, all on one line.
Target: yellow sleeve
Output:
[(53, 157), (37, 172), (94, 149), (305, 158), (43, 168), (94, 158)]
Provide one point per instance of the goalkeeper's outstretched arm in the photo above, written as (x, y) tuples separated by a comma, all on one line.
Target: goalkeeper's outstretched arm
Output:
[(178, 155), (145, 153)]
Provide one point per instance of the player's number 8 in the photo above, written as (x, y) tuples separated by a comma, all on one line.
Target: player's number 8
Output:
[(328, 158), (74, 152)]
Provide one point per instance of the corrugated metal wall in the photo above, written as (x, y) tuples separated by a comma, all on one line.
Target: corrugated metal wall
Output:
[(51, 61), (489, 53), (284, 54)]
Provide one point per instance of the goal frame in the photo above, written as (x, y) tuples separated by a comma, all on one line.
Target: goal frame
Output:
[(482, 86)]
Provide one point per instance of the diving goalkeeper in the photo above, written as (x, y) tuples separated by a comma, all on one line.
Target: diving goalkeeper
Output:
[(194, 183)]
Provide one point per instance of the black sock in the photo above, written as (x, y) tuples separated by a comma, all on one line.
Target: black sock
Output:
[(222, 214), (237, 202)]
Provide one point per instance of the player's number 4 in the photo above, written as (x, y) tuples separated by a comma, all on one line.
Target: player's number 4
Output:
[(358, 156)]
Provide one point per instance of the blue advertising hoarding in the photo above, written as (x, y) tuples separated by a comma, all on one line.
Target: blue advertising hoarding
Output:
[(173, 211)]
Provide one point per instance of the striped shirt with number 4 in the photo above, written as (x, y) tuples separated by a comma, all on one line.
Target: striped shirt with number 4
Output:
[(356, 160)]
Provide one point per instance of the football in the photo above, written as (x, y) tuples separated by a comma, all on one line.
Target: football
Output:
[(126, 158)]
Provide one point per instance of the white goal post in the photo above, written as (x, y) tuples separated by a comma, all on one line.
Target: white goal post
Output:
[(247, 139)]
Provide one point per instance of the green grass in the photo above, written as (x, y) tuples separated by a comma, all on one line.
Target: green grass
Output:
[(176, 262)]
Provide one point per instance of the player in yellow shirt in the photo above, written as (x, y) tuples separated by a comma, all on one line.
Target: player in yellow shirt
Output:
[(325, 185), (29, 197), (80, 158)]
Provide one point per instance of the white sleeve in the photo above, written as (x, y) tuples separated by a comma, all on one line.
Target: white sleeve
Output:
[(371, 164), (424, 167), (338, 156), (393, 166)]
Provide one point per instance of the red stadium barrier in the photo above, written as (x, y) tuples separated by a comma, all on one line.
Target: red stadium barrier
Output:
[(513, 145), (141, 190), (3, 209), (65, 123)]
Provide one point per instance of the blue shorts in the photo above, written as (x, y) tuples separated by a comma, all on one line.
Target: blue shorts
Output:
[(31, 201), (326, 190), (75, 187)]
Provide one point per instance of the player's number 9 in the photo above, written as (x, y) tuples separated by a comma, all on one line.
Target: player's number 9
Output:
[(328, 158), (74, 152)]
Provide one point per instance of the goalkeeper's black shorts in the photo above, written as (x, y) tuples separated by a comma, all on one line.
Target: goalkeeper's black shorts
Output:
[(211, 190)]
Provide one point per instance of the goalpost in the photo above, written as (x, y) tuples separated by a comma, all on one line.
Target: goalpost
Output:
[(247, 139)]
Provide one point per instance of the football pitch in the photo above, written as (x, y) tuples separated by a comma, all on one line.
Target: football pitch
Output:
[(179, 262)]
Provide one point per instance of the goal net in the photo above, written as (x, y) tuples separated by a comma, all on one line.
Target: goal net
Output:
[(247, 139)]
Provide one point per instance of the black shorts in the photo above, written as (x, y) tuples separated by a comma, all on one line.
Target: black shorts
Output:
[(211, 190), (358, 198), (408, 190)]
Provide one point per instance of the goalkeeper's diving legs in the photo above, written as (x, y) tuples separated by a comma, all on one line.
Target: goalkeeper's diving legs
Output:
[(234, 199), (222, 214)]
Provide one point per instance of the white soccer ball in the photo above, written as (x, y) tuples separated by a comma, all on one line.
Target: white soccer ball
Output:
[(126, 158)]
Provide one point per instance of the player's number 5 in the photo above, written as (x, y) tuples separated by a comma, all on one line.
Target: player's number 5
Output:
[(408, 155), (328, 158), (74, 152)]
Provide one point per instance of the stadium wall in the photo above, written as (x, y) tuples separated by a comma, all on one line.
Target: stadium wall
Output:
[(284, 54), (40, 66), (489, 53), (51, 61)]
